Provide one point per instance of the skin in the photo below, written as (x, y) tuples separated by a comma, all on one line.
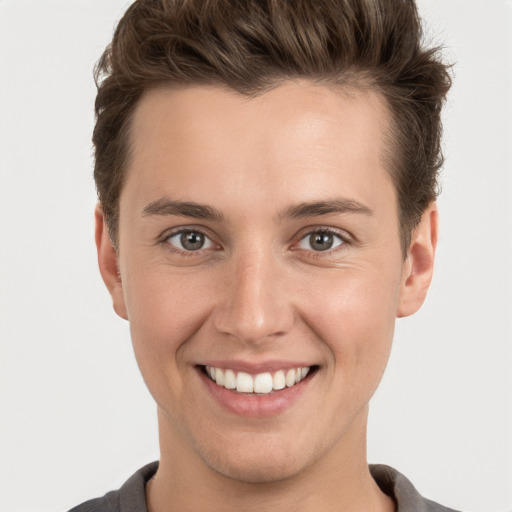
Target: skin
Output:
[(259, 291)]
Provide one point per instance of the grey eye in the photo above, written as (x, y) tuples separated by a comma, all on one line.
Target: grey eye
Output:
[(320, 241), (190, 241)]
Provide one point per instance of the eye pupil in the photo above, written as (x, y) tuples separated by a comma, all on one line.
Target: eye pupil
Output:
[(321, 241), (192, 240)]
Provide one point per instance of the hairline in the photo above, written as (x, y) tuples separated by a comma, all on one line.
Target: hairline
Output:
[(349, 81)]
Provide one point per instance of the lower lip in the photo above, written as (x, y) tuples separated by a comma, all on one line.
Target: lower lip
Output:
[(251, 405)]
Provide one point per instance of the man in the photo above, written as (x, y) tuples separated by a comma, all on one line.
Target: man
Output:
[(267, 178)]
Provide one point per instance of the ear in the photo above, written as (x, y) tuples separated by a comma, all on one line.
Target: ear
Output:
[(107, 261), (419, 264)]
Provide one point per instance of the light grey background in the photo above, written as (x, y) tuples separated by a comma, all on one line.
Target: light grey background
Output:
[(76, 419)]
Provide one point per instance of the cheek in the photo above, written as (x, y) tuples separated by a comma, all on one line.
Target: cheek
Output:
[(164, 311), (164, 304), (354, 315)]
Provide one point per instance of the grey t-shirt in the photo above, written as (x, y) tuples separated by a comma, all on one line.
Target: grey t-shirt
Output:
[(131, 497)]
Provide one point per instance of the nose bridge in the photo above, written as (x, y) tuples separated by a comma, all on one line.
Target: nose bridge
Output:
[(255, 307)]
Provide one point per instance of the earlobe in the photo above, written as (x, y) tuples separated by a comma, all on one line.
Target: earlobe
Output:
[(108, 263), (419, 266)]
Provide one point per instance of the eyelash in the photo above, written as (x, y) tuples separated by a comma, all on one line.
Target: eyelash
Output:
[(344, 238), (187, 254)]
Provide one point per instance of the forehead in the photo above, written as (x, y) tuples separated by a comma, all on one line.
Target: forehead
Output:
[(285, 114), (298, 137)]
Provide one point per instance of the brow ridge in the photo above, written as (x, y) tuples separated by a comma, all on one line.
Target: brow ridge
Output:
[(164, 206), (318, 208)]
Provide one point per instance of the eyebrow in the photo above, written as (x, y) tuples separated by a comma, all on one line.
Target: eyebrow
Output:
[(317, 208), (163, 206)]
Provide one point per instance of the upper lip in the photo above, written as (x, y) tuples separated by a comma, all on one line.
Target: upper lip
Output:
[(251, 367)]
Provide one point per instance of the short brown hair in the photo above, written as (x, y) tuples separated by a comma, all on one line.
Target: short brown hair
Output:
[(251, 46)]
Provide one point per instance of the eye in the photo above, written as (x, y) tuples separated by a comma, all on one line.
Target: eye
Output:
[(319, 241), (190, 240)]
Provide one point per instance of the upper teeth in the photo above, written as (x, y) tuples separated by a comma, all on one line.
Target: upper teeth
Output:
[(259, 383)]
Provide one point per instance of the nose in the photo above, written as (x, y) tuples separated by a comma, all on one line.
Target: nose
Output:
[(254, 306)]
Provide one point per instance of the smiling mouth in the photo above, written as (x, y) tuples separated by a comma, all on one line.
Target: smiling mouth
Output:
[(260, 384)]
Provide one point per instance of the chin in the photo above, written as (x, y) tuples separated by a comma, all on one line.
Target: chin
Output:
[(256, 471), (256, 464)]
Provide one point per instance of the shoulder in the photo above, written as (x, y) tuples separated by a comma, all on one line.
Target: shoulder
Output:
[(131, 497), (108, 503), (407, 498)]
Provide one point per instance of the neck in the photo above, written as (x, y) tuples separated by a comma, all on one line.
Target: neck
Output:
[(339, 480)]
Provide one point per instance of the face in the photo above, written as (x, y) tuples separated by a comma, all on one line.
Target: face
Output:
[(259, 246)]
